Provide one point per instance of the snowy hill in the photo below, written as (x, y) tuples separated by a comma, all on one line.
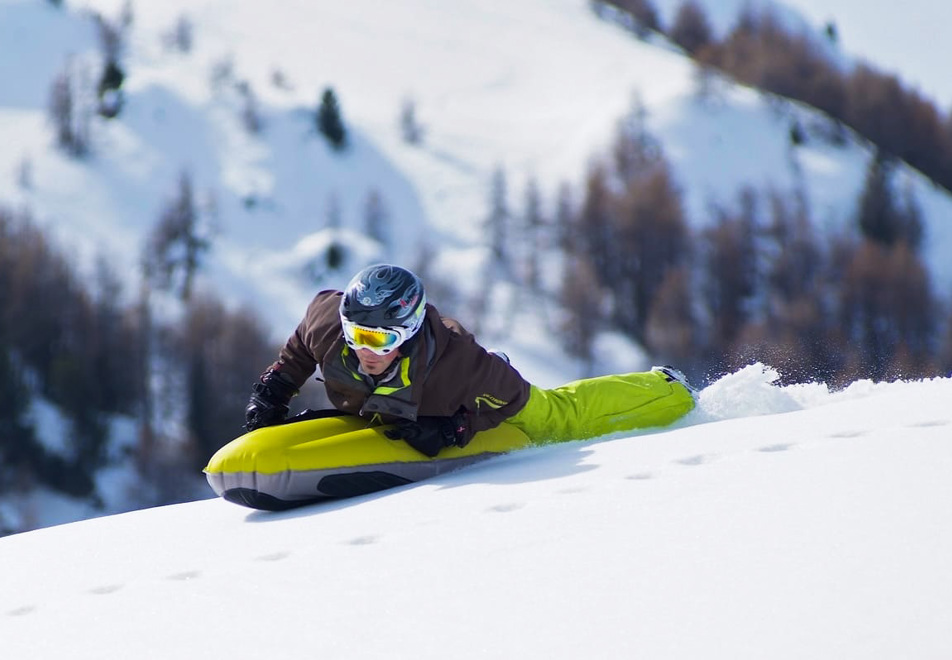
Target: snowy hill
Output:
[(773, 523), (534, 87)]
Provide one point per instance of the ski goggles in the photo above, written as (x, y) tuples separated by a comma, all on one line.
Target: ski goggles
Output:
[(379, 340)]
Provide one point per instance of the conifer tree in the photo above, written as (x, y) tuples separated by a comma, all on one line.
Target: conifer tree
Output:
[(330, 123), (497, 222), (108, 90)]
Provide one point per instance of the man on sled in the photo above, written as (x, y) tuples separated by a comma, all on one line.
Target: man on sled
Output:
[(388, 356)]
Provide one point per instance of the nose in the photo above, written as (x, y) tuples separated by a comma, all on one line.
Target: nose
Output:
[(367, 355)]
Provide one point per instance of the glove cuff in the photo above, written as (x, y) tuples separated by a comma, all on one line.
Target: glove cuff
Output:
[(275, 387), (460, 427)]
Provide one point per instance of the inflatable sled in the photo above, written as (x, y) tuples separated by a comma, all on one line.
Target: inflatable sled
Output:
[(317, 458)]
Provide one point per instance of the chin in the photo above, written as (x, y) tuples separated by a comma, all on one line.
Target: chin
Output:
[(377, 365), (374, 369)]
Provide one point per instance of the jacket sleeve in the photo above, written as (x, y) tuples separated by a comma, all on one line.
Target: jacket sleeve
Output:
[(497, 393), (305, 349), (468, 379)]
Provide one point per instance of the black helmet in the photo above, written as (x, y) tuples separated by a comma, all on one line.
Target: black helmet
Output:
[(385, 296)]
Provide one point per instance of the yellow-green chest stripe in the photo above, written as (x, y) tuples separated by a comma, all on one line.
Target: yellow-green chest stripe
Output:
[(404, 374)]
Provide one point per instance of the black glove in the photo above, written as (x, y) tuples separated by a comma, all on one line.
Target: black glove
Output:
[(269, 400), (428, 435)]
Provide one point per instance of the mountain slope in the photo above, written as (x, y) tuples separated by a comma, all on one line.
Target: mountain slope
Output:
[(535, 88), (776, 522)]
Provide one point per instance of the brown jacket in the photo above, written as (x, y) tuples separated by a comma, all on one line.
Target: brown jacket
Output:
[(439, 372)]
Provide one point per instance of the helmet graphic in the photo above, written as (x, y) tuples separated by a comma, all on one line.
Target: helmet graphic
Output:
[(384, 296)]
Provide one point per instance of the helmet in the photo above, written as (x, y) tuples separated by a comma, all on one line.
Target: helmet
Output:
[(385, 296)]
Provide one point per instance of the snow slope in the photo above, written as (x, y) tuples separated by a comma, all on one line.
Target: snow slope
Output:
[(535, 87), (773, 523)]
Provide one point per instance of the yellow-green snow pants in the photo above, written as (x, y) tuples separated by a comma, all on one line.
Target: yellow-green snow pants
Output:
[(606, 404)]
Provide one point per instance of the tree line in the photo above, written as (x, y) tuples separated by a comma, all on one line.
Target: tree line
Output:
[(98, 353), (758, 281), (761, 50)]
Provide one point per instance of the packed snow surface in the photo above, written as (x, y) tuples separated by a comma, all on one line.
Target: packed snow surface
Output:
[(773, 522)]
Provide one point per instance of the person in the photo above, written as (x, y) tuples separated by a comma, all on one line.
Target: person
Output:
[(388, 355)]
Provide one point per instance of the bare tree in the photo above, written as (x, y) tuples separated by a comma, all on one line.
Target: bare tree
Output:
[(250, 112), (888, 308), (25, 174), (181, 36), (332, 211), (880, 216), (635, 150), (582, 299), (497, 222), (126, 16), (650, 239), (220, 353), (730, 271), (178, 243), (70, 111), (410, 128), (596, 220), (534, 240), (691, 29), (566, 221), (376, 218), (671, 330), (643, 15)]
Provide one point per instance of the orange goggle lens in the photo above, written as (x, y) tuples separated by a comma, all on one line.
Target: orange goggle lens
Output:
[(374, 338), (379, 340)]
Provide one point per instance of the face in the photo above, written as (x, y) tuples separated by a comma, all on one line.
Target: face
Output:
[(374, 364)]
